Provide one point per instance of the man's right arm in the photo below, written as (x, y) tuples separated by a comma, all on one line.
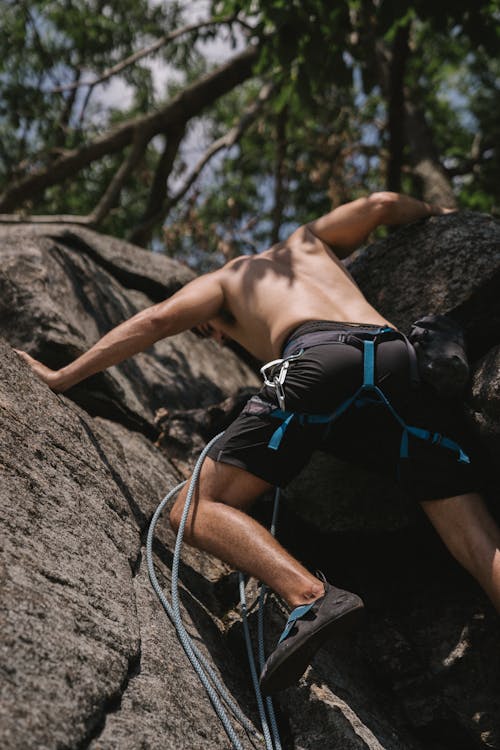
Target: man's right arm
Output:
[(348, 226), (194, 304)]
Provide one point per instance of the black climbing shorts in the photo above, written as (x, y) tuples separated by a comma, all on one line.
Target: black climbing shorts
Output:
[(319, 381)]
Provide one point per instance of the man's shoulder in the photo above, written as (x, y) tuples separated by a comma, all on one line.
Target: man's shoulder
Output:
[(237, 262), (242, 262), (302, 237)]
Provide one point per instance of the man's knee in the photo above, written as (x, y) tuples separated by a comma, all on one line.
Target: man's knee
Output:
[(177, 511), (219, 484)]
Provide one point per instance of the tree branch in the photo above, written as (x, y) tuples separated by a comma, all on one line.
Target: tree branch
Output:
[(112, 193), (62, 124), (188, 103), (225, 141), (279, 175), (47, 59), (84, 106), (45, 219), (159, 189), (136, 56), (473, 160)]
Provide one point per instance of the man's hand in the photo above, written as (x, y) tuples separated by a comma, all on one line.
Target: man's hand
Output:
[(48, 376)]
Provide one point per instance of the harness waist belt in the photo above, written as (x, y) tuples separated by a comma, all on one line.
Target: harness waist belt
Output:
[(355, 337), (327, 336)]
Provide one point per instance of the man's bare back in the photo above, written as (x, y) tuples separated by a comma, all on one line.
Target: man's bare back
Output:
[(266, 296)]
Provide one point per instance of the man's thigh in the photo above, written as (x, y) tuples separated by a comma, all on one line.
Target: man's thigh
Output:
[(225, 483)]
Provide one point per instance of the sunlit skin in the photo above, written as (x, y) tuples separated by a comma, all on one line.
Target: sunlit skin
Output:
[(257, 301)]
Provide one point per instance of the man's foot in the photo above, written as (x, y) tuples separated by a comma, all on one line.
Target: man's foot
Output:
[(308, 627)]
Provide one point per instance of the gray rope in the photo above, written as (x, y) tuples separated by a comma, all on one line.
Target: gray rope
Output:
[(260, 631), (215, 691), (152, 575), (197, 659), (251, 661)]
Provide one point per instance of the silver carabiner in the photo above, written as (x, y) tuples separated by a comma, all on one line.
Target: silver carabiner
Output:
[(270, 366), (278, 380), (274, 363)]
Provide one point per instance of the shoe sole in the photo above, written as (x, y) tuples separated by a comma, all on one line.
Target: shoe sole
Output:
[(290, 668)]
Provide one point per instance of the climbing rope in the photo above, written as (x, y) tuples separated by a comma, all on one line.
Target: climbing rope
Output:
[(271, 735), (216, 691)]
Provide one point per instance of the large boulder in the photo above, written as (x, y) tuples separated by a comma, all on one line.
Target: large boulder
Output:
[(446, 264), (88, 658), (484, 404)]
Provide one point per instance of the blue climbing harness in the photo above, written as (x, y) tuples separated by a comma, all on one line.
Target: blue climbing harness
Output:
[(367, 393)]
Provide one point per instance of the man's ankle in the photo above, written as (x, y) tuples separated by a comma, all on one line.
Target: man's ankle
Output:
[(315, 591)]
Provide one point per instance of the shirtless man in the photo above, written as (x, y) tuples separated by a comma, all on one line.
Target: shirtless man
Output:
[(266, 302)]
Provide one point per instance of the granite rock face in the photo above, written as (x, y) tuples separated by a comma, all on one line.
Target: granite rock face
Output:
[(484, 404), (88, 658), (446, 264)]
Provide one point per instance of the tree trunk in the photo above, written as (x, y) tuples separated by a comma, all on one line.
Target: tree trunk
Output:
[(436, 185), (159, 189), (396, 108), (279, 175)]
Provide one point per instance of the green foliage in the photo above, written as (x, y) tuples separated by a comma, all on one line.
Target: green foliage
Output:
[(337, 142), (322, 139), (48, 44), (324, 163)]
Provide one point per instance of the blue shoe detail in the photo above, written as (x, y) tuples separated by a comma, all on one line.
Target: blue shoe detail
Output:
[(295, 615)]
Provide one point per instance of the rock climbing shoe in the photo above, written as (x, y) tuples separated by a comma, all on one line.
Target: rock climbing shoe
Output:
[(307, 628)]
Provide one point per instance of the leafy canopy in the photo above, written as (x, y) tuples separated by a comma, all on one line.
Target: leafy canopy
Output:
[(325, 136)]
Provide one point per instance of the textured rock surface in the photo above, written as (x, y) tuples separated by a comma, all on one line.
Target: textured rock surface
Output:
[(87, 652), (446, 264), (88, 658)]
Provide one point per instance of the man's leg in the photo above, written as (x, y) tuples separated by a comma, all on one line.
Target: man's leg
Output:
[(218, 524), (472, 536)]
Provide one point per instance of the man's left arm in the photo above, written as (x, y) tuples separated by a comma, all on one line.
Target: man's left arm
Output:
[(194, 304), (348, 226)]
